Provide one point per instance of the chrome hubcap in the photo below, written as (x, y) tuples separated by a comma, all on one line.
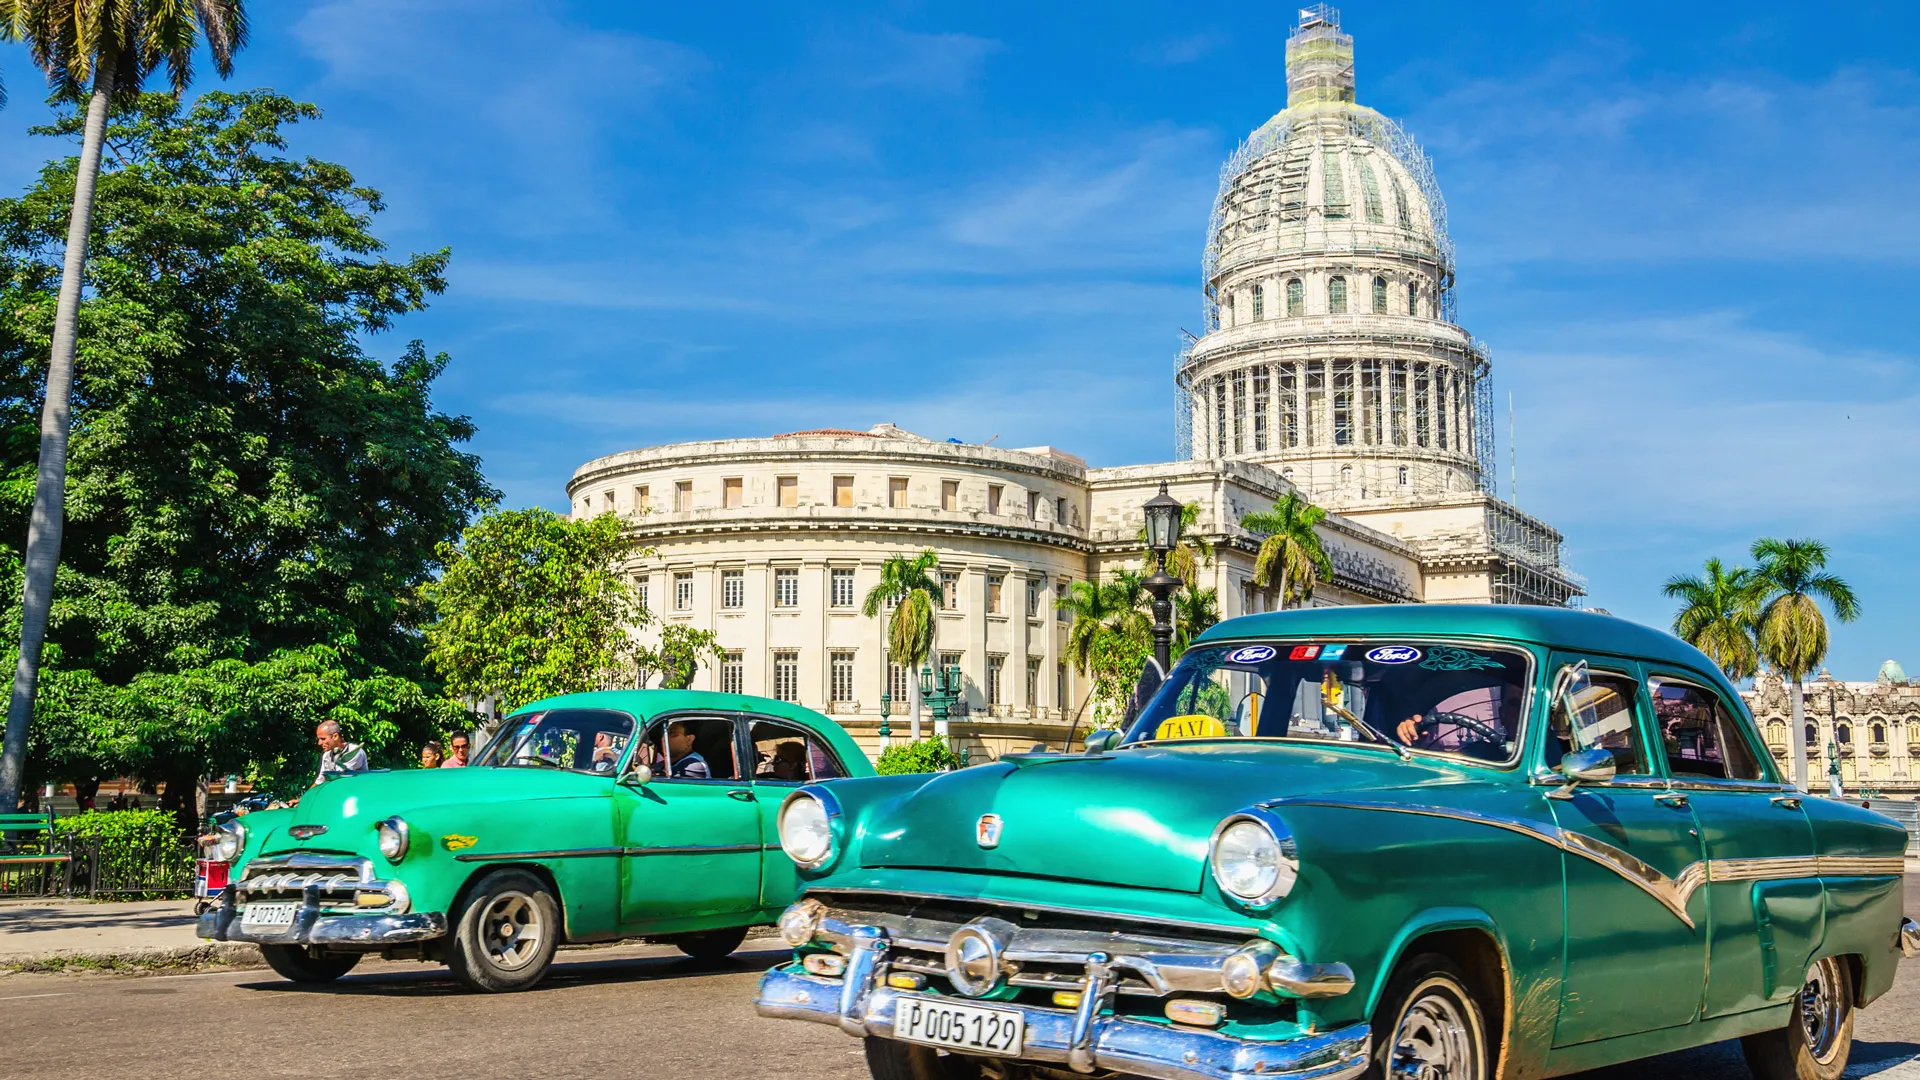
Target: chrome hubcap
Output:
[(1822, 1010), (1433, 1040), (512, 930)]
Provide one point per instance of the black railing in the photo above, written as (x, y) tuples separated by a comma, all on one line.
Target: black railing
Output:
[(96, 867)]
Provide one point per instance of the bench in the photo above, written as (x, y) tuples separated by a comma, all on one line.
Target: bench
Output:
[(12, 825)]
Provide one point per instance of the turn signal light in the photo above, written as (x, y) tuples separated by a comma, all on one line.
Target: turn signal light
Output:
[(372, 899), (1196, 1012), (906, 980), (1067, 999), (831, 965)]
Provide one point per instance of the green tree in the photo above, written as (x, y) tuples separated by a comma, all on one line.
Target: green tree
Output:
[(677, 658), (532, 605), (1790, 579), (1716, 616), (1291, 560), (1194, 610), (103, 52), (1110, 636), (910, 585), (928, 755), (245, 480), (1192, 553)]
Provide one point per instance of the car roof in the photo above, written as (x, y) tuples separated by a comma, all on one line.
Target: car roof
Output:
[(1560, 628), (650, 703)]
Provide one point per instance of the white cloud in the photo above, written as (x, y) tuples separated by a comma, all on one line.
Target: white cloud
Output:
[(935, 63)]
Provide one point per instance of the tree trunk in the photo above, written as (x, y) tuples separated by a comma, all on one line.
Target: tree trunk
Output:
[(1283, 586), (1797, 696), (50, 488), (913, 677)]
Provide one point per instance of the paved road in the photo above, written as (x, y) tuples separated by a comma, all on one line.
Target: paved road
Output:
[(631, 1013)]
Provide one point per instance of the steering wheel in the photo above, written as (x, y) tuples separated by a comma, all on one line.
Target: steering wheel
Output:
[(1434, 720)]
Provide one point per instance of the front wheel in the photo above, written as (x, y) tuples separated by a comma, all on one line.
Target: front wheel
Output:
[(891, 1060), (1429, 1024), (304, 964), (505, 934), (1816, 1042), (709, 946)]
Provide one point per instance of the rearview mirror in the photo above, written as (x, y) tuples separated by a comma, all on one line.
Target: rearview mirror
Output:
[(1594, 765), (638, 776), (1099, 742)]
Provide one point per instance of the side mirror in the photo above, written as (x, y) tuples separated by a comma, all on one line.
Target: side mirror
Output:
[(1590, 766), (638, 776), (1099, 742)]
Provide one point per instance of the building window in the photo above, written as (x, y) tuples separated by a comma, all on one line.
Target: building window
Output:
[(898, 688), (842, 579), (1335, 185), (642, 499), (1413, 298), (1060, 510), (1843, 734), (683, 591), (1402, 215), (1379, 296), (1296, 297), (733, 588), (1233, 308), (1337, 296), (1813, 736), (733, 674), (840, 668), (1879, 733), (1370, 194), (1403, 475), (1259, 302), (949, 590), (1033, 598), (996, 584), (609, 498), (1033, 506), (683, 495), (1059, 595), (843, 491), (949, 494), (786, 587), (996, 671), (786, 676), (1033, 682), (897, 492), (1060, 685), (949, 660), (789, 487), (994, 491), (643, 589), (732, 493)]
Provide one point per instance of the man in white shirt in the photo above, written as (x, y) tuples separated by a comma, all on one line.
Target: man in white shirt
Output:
[(338, 757)]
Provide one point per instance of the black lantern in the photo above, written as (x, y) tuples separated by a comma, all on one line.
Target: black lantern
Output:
[(1163, 533), (1163, 522)]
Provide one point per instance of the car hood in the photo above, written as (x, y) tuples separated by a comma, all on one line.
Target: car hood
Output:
[(350, 805), (1141, 816)]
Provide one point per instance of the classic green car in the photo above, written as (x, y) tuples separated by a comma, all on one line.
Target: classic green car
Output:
[(1401, 841), (589, 817)]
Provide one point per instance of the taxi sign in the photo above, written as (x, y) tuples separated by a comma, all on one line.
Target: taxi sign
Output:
[(1191, 726)]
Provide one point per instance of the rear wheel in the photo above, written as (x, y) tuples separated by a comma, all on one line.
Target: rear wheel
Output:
[(711, 945), (891, 1060), (1815, 1044), (1429, 1026), (304, 964), (505, 934)]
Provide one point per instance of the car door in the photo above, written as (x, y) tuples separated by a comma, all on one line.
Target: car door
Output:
[(785, 755), (1636, 956), (690, 844), (1765, 896)]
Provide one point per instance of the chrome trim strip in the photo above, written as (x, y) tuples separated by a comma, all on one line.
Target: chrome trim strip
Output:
[(693, 849), (557, 853), (1023, 905), (1862, 865)]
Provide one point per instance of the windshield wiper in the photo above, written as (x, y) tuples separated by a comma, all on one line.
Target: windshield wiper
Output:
[(1362, 725)]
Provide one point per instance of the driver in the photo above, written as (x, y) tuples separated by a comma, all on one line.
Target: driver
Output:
[(687, 764), (605, 752), (1410, 731)]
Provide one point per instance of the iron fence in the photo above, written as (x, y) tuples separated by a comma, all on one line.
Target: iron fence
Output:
[(97, 867)]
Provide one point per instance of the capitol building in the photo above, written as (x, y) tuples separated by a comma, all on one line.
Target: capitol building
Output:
[(1331, 365)]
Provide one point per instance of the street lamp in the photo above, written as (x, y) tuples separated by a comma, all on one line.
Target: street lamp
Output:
[(1163, 532)]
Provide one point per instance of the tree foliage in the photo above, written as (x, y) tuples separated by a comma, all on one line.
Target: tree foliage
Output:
[(1291, 560), (1716, 616), (1791, 578), (677, 658), (910, 585), (931, 754)]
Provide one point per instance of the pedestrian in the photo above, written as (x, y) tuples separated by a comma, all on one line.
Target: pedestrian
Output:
[(338, 757), (431, 756), (456, 753)]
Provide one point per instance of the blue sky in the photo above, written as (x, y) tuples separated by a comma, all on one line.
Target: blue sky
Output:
[(1689, 233)]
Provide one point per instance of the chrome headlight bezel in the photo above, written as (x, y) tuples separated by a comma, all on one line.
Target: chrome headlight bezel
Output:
[(395, 838), (229, 842), (1285, 857), (811, 857)]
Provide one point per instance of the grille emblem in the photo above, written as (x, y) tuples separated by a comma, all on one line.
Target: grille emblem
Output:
[(306, 832), (987, 831)]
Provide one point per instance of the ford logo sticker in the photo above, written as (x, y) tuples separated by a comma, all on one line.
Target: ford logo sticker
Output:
[(1252, 654), (1393, 654)]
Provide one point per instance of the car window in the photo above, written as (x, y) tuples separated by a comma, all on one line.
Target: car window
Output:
[(788, 753), (579, 740), (689, 747), (1600, 715), (1698, 735)]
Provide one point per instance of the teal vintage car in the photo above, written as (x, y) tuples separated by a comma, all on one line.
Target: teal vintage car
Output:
[(1418, 842), (589, 817)]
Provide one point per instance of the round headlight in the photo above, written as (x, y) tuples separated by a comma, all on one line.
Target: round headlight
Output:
[(806, 830), (1251, 861), (228, 842), (799, 922), (393, 838)]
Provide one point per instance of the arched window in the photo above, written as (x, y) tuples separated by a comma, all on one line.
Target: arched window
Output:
[(1370, 193), (1878, 732), (1400, 201), (1233, 308), (1404, 471), (1296, 298), (1346, 475), (1259, 302), (1334, 185), (1337, 296), (1777, 734), (1379, 296), (1813, 735), (1843, 734), (1413, 298), (1287, 473)]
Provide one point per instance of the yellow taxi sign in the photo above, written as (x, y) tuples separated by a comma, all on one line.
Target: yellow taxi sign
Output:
[(1191, 726)]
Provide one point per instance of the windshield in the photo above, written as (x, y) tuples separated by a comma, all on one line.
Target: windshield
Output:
[(578, 740), (1454, 699)]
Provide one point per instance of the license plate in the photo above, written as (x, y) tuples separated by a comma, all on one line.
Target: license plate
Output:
[(268, 914), (938, 1022)]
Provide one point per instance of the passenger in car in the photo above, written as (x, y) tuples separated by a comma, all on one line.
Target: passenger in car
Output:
[(790, 761), (687, 764)]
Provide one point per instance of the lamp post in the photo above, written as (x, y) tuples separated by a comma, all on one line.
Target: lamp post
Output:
[(1163, 532), (939, 690), (886, 709), (1833, 769)]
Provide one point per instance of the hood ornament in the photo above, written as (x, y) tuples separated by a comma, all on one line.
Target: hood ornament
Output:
[(986, 832), (306, 832)]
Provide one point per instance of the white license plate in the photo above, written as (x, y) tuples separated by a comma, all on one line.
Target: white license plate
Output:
[(939, 1022), (268, 914)]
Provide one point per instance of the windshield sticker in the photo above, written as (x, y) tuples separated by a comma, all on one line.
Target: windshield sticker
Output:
[(1252, 654), (1194, 726), (1304, 652), (1393, 654), (1332, 652), (1448, 658)]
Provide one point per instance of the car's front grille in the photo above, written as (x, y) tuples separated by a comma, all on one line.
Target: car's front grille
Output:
[(334, 881)]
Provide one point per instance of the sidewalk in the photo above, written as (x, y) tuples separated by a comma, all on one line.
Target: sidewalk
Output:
[(53, 935)]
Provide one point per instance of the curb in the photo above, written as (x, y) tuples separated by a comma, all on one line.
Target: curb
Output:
[(137, 961)]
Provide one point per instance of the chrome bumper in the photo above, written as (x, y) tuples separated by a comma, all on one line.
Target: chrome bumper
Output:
[(1083, 1039), (312, 927), (1910, 939)]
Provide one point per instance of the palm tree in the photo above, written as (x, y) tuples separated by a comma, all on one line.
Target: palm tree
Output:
[(1113, 608), (1291, 559), (1788, 582), (1193, 611), (1191, 553), (909, 584), (1717, 615), (103, 52)]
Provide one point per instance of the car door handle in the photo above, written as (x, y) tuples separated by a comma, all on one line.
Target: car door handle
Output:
[(1671, 798), (1790, 802), (743, 794)]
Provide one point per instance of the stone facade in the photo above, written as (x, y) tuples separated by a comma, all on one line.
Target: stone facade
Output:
[(1874, 726)]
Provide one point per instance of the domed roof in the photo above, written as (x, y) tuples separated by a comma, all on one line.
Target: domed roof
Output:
[(1892, 672)]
